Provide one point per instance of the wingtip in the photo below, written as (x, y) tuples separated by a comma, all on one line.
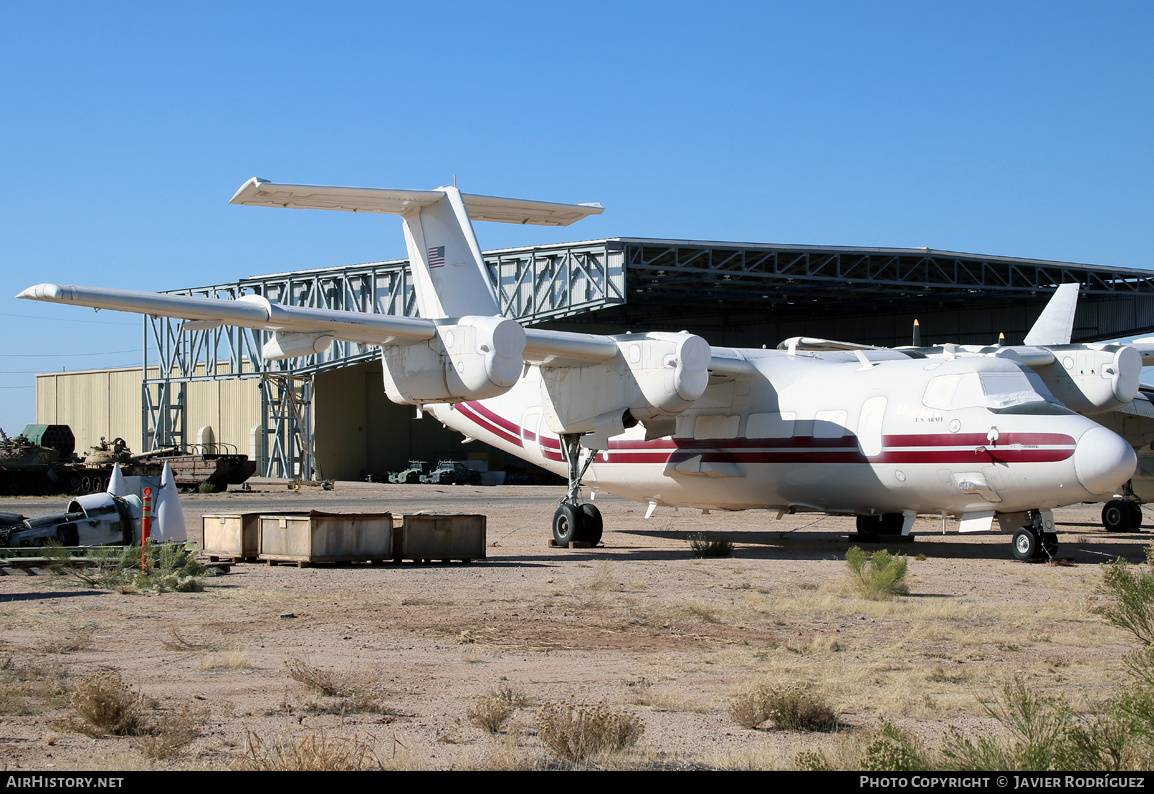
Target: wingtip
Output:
[(253, 184), (43, 292)]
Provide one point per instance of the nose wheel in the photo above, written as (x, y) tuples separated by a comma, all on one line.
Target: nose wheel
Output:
[(575, 522), (1032, 542)]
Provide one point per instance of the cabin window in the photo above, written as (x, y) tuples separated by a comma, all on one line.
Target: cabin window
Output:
[(829, 424), (985, 390), (771, 425)]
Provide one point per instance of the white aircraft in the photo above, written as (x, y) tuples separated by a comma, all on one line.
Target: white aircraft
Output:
[(666, 419), (1096, 379)]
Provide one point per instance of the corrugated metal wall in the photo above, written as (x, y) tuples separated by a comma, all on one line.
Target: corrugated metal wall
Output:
[(108, 403), (95, 404)]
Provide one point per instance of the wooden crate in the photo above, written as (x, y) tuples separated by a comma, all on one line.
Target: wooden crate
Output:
[(326, 537), (424, 536), (233, 536)]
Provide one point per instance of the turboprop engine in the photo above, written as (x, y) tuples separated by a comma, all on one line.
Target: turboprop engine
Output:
[(653, 375), (1088, 379), (469, 358)]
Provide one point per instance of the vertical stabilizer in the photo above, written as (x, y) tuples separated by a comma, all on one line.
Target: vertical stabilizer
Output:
[(1056, 323), (449, 273)]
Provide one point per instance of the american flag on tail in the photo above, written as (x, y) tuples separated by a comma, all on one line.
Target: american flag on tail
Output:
[(437, 256)]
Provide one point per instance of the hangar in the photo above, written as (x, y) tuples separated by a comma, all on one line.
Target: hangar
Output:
[(326, 415)]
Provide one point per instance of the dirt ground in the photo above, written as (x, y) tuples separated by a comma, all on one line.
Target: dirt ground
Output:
[(637, 623)]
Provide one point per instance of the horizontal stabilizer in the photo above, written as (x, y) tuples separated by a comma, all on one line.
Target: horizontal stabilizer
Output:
[(262, 193)]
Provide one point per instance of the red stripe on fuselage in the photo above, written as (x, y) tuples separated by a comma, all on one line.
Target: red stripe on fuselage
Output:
[(486, 420), (941, 448)]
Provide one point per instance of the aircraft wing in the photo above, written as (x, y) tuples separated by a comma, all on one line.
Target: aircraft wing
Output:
[(548, 348), (816, 343), (316, 328), (1145, 347), (250, 311)]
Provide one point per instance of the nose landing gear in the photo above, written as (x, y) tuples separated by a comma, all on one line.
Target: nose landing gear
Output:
[(1036, 539), (575, 522)]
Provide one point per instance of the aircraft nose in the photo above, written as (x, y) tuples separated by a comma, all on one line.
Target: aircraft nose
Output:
[(1103, 460)]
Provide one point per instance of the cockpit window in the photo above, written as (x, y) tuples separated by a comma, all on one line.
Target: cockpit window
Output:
[(992, 390)]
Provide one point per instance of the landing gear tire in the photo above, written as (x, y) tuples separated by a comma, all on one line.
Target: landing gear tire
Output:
[(887, 524), (1026, 544), (1134, 511), (1121, 516), (591, 524), (1115, 516), (1049, 545), (567, 525)]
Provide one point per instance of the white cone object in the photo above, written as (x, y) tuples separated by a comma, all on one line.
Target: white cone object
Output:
[(116, 484), (169, 517)]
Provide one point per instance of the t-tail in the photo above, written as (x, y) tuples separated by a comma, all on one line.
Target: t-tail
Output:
[(449, 274)]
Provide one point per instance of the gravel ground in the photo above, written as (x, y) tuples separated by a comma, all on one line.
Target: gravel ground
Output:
[(637, 624)]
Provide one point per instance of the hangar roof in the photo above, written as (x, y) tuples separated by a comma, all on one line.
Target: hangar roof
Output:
[(740, 294)]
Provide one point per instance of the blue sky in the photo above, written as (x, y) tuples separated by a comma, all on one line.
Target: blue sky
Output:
[(1020, 129)]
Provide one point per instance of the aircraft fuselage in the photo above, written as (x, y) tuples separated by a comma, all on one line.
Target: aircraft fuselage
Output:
[(833, 433)]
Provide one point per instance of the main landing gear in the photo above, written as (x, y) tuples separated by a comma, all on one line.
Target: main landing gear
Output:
[(870, 527), (1120, 515), (575, 522), (1036, 539)]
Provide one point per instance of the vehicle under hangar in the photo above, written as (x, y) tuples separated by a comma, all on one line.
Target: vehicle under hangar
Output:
[(326, 415)]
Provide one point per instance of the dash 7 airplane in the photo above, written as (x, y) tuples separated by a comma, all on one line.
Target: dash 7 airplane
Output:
[(666, 419)]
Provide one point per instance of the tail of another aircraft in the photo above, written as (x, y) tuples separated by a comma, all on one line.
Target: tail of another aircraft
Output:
[(449, 274), (1055, 325)]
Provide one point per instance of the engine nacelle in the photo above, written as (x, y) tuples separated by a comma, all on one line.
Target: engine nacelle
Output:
[(291, 345), (653, 374), (1093, 379), (470, 358)]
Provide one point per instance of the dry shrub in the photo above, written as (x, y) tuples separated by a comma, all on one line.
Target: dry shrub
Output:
[(171, 568), (577, 732), (490, 713), (31, 687), (703, 546), (894, 750), (357, 689), (70, 642), (1130, 591), (231, 659), (108, 705), (324, 680), (878, 576), (314, 752), (796, 707), (172, 734)]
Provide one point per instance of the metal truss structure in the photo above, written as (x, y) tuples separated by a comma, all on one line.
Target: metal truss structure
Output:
[(669, 278), (533, 285), (685, 266)]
